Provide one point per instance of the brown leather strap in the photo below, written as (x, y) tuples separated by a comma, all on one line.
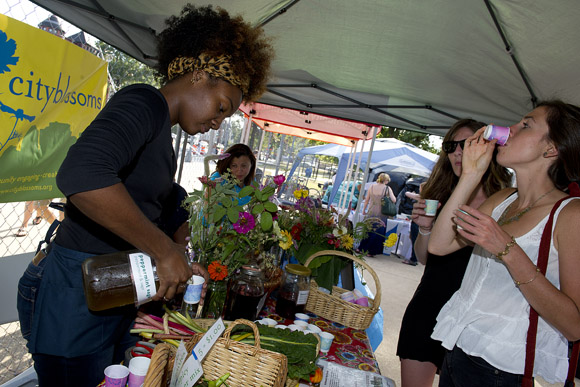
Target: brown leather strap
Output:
[(542, 265)]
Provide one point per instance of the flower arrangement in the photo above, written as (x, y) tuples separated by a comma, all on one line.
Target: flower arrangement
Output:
[(224, 234), (307, 228)]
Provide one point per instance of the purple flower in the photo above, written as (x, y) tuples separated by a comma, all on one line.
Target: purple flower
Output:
[(224, 156), (279, 179), (245, 223)]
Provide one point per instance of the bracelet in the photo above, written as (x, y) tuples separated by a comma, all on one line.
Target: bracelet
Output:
[(424, 233), (508, 246), (518, 283)]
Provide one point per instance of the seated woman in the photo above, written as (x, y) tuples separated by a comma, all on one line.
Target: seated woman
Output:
[(241, 164)]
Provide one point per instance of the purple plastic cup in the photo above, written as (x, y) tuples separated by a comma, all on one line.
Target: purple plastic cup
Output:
[(501, 133), (116, 375)]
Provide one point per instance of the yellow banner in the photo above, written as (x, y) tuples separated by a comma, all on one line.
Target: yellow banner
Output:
[(50, 90)]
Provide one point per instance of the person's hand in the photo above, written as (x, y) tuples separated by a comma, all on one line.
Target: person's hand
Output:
[(477, 153), (173, 271), (412, 195), (418, 215), (198, 269), (480, 229)]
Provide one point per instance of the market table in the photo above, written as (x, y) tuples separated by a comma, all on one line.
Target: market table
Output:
[(350, 348)]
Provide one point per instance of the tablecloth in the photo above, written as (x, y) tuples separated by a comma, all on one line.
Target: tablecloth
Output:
[(351, 347)]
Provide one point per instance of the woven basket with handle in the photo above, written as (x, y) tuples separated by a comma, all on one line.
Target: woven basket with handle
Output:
[(248, 365), (334, 308)]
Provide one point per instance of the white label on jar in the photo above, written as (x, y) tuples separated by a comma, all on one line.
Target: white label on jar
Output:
[(302, 297), (142, 275)]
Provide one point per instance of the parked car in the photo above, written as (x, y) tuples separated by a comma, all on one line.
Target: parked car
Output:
[(341, 189)]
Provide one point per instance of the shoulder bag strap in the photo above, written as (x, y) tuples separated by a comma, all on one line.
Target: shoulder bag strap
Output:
[(542, 265)]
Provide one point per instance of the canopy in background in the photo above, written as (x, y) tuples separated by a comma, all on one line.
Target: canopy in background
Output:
[(416, 65)]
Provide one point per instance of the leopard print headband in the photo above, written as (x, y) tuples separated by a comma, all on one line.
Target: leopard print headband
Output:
[(218, 67)]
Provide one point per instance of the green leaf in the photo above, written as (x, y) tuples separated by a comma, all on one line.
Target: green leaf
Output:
[(233, 214), (271, 207), (246, 191), (266, 221), (258, 208), (218, 213), (258, 195), (267, 192)]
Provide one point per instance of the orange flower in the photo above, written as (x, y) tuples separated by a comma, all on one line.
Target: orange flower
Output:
[(217, 271)]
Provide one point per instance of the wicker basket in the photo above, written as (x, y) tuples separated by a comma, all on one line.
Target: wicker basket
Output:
[(333, 308), (248, 365)]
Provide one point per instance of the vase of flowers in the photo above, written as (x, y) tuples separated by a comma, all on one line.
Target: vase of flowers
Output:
[(307, 228), (224, 235)]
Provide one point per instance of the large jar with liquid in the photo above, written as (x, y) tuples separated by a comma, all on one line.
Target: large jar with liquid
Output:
[(246, 295), (118, 279), (293, 292)]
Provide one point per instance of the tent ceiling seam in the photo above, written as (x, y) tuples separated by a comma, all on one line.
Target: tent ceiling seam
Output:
[(358, 104), (510, 52), (278, 13)]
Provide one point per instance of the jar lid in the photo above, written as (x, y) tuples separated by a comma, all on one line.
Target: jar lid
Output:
[(295, 268)]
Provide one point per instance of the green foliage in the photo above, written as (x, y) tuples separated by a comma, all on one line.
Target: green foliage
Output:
[(125, 70), (420, 140), (300, 349)]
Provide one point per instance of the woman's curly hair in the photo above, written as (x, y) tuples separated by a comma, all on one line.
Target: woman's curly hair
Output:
[(215, 32)]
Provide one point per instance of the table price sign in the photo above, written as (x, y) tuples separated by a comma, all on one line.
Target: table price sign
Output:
[(190, 371)]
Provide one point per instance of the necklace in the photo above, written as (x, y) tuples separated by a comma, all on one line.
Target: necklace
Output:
[(502, 219)]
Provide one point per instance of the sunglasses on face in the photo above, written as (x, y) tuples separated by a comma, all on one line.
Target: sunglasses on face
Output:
[(450, 146)]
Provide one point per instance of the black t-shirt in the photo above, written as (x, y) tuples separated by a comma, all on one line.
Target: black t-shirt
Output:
[(129, 142)]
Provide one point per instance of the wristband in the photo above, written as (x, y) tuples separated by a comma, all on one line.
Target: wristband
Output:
[(508, 246)]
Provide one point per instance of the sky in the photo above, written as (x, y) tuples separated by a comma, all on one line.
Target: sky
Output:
[(26, 11)]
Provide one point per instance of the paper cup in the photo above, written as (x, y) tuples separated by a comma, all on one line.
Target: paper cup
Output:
[(313, 328), (281, 326), (294, 327), (431, 207), (138, 367), (301, 324), (267, 321), (193, 293), (325, 341), (116, 375), (302, 317)]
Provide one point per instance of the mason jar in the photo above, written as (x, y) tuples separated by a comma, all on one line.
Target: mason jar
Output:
[(245, 296), (293, 292)]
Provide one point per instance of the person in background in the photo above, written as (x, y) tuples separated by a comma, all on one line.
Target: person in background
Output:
[(241, 164), (373, 243), (259, 173), (42, 212), (502, 281), (118, 177), (405, 200), (421, 357)]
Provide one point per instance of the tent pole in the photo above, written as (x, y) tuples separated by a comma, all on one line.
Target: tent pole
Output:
[(260, 152), (365, 177), (350, 164)]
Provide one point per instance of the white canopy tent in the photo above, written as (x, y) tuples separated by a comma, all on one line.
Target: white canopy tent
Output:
[(416, 65)]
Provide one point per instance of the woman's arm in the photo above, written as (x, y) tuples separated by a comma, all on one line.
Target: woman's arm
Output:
[(425, 224), (367, 199), (477, 155), (392, 195), (113, 208)]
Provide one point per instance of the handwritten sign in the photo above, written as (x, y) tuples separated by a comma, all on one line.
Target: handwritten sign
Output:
[(178, 364), (190, 372), (209, 338)]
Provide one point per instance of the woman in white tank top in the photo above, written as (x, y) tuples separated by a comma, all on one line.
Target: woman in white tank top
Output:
[(484, 324)]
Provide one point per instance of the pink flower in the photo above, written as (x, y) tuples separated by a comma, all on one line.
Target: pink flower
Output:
[(279, 179), (245, 223), (224, 156)]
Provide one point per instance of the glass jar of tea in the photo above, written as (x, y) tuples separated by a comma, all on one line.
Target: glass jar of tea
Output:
[(246, 296), (293, 292)]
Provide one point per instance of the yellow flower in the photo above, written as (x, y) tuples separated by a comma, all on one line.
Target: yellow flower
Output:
[(285, 240), (347, 241), (391, 240), (304, 193), (298, 194)]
